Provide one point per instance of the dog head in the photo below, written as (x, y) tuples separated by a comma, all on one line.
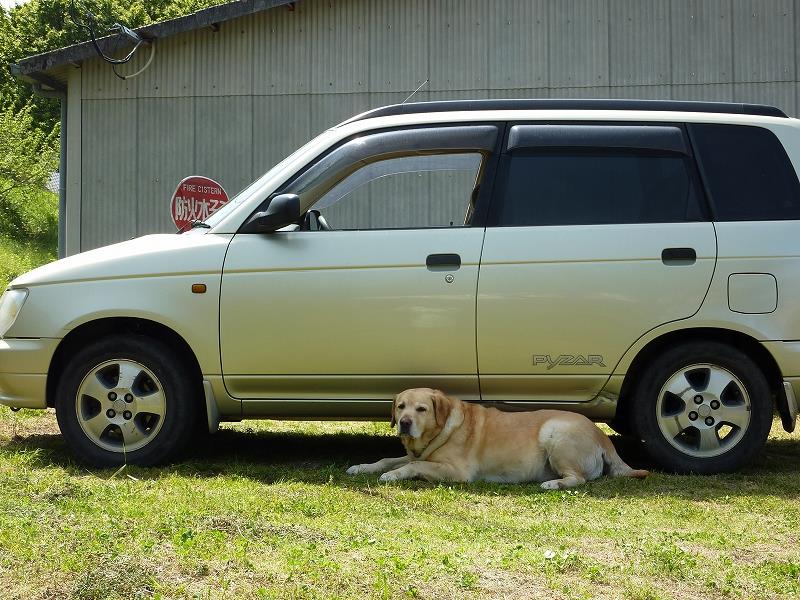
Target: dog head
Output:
[(420, 412)]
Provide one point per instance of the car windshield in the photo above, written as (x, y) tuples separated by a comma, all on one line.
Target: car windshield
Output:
[(254, 187)]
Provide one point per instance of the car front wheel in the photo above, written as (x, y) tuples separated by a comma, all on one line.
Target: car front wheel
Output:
[(703, 407), (126, 400)]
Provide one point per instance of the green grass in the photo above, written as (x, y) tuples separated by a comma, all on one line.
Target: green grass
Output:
[(28, 231), (265, 510), (19, 257)]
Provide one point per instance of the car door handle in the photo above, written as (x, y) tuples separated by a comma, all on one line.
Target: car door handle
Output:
[(443, 262), (678, 256)]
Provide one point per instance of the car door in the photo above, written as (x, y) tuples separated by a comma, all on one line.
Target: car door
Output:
[(596, 235), (375, 292)]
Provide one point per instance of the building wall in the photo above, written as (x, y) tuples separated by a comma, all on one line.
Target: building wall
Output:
[(231, 103)]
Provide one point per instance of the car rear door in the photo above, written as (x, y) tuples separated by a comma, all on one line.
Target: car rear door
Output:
[(597, 234)]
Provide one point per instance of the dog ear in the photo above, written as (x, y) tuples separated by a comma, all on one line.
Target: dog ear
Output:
[(442, 405), (393, 420)]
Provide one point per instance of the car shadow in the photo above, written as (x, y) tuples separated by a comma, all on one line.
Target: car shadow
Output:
[(269, 457)]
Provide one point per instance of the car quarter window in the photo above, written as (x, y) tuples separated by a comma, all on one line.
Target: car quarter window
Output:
[(595, 175), (747, 172), (398, 179)]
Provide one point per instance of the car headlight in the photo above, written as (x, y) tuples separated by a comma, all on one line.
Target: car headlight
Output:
[(10, 304)]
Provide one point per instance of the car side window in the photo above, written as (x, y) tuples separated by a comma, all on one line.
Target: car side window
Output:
[(399, 178), (405, 192), (594, 188), (595, 175), (747, 172)]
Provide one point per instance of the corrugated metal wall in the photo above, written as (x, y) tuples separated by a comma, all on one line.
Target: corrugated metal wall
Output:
[(231, 103)]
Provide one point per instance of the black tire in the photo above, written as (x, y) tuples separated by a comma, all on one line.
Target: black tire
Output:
[(622, 425), (724, 360), (180, 393)]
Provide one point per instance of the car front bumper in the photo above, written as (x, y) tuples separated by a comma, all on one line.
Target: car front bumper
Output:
[(24, 364)]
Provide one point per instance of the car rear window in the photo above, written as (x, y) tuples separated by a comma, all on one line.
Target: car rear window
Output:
[(594, 188), (747, 173)]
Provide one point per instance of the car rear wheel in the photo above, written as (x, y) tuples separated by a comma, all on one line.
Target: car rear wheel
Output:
[(126, 400), (703, 407)]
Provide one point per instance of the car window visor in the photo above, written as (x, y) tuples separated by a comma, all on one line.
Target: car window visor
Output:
[(623, 137), (362, 151)]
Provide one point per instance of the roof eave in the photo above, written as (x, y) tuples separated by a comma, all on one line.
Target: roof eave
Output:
[(208, 17), (37, 77)]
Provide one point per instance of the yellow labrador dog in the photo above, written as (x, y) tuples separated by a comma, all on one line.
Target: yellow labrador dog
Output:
[(450, 440)]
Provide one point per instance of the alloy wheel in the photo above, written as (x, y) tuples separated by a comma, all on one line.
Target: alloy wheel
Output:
[(120, 405), (703, 410)]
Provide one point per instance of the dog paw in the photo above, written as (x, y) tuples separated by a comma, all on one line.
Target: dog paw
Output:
[(551, 485), (386, 477), (355, 470)]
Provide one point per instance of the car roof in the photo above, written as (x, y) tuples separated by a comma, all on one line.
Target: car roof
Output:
[(445, 106)]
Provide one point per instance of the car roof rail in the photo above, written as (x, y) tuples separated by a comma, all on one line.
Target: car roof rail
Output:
[(736, 108)]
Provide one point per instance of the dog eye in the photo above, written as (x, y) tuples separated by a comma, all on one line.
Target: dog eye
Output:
[(401, 406), (421, 409)]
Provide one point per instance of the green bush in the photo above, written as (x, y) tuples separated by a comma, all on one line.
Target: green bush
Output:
[(17, 258), (30, 215), (27, 158), (28, 212)]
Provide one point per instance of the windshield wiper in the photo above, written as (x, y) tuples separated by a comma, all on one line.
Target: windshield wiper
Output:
[(194, 225)]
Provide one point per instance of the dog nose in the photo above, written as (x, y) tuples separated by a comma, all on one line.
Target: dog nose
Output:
[(405, 424)]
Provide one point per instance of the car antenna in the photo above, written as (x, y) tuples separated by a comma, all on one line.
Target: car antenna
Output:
[(415, 91)]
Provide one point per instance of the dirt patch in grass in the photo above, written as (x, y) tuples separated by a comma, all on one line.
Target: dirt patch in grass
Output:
[(759, 553), (499, 583), (26, 424)]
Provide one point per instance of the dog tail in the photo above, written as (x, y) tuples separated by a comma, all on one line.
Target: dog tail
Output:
[(616, 466)]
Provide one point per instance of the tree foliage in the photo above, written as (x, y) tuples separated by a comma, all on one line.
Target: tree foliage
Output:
[(28, 156)]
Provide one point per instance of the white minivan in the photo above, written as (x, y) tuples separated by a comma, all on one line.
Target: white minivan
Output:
[(635, 261)]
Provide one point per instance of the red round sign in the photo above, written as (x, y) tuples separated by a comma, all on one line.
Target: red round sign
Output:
[(196, 199)]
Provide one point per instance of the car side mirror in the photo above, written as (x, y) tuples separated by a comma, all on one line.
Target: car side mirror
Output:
[(283, 210)]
